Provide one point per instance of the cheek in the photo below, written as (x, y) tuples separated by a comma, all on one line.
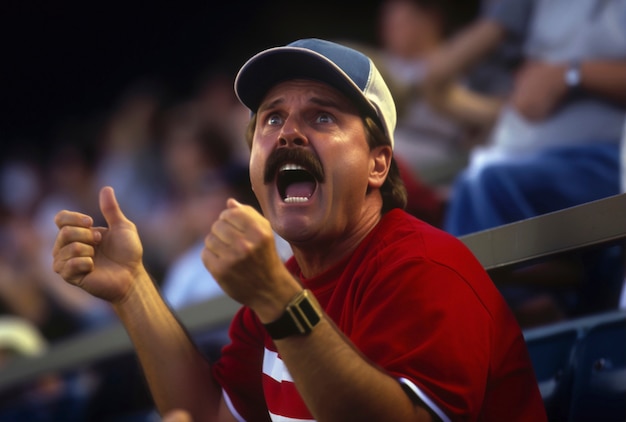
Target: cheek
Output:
[(351, 171), (352, 160)]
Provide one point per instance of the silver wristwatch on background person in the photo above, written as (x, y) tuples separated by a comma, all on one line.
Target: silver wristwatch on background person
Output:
[(572, 75)]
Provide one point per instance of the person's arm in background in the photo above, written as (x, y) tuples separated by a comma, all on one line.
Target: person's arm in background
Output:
[(541, 86), (504, 19), (446, 67), (464, 51), (441, 86), (606, 78)]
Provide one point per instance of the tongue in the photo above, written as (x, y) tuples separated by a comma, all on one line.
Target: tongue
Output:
[(300, 189)]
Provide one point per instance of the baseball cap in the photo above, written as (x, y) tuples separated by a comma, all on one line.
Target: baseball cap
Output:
[(344, 68)]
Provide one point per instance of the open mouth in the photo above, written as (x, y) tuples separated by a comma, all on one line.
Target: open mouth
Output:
[(295, 183)]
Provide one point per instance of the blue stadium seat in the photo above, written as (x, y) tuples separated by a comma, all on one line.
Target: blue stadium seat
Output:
[(551, 351), (599, 374)]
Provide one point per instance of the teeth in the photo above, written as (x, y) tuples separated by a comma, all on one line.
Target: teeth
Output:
[(296, 199), (291, 167)]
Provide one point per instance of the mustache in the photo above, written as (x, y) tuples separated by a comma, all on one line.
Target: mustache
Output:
[(299, 156)]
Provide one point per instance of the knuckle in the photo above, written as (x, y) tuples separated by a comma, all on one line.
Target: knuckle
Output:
[(65, 232), (80, 249), (80, 265)]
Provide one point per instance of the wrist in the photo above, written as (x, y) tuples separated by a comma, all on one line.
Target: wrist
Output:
[(300, 317), (135, 287)]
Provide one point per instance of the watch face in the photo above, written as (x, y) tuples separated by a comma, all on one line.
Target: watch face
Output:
[(302, 315), (572, 76)]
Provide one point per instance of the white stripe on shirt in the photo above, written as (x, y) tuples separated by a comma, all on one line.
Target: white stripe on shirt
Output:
[(274, 367), (424, 398)]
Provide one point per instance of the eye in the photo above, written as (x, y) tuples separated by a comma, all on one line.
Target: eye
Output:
[(274, 120), (324, 118)]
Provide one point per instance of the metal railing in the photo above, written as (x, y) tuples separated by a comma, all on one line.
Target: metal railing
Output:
[(590, 224)]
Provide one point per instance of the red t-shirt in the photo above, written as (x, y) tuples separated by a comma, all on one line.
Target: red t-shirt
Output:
[(415, 301)]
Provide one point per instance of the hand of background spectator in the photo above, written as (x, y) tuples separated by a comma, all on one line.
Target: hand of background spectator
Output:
[(539, 89)]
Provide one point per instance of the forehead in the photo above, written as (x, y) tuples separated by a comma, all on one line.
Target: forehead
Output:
[(307, 91)]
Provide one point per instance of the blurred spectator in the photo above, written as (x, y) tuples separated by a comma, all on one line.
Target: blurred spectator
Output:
[(26, 286), (20, 189), (50, 397), (20, 184), (69, 184), (20, 291), (430, 147), (127, 151), (555, 143), (219, 107), (192, 155), (18, 338), (194, 138), (433, 146)]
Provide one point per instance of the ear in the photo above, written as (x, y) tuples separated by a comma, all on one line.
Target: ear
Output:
[(380, 161)]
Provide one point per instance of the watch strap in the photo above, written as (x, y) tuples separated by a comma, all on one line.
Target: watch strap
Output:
[(301, 315)]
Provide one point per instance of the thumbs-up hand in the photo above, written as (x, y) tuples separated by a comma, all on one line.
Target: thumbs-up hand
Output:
[(102, 261)]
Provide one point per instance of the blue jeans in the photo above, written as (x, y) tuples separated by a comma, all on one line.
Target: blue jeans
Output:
[(508, 191), (513, 190)]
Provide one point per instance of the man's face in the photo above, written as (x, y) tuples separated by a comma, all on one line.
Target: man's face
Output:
[(310, 161)]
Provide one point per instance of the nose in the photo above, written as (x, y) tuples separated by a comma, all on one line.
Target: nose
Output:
[(291, 133)]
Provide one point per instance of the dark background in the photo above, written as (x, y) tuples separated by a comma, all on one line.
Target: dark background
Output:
[(62, 60)]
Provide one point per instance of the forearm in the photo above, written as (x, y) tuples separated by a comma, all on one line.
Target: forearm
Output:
[(605, 78), (440, 86), (464, 51), (177, 373), (337, 383), (468, 108)]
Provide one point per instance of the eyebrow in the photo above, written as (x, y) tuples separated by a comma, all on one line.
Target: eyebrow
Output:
[(265, 106), (325, 102)]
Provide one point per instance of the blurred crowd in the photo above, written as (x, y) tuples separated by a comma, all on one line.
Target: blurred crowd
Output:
[(174, 161)]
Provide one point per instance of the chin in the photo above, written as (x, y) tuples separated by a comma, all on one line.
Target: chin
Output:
[(293, 233)]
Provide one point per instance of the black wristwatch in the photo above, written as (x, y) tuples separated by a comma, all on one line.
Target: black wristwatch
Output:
[(302, 314)]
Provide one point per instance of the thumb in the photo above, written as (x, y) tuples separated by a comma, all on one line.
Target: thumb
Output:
[(110, 208), (233, 203), (177, 415)]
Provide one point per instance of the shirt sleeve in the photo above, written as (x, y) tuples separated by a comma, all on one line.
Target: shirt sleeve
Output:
[(513, 15), (425, 326)]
